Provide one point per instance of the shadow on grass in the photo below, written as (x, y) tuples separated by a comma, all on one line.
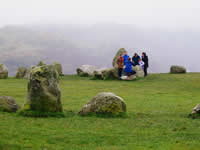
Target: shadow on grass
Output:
[(105, 115)]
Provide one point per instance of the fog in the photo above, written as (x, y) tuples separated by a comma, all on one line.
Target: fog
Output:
[(90, 32)]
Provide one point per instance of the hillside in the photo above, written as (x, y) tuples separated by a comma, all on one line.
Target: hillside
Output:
[(75, 45), (157, 107)]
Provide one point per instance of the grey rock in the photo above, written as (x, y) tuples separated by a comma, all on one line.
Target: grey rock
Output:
[(3, 71), (195, 112), (104, 103), (177, 69), (85, 70), (139, 71), (22, 72), (44, 94), (8, 104)]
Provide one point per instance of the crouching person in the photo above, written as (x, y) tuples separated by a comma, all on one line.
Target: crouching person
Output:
[(128, 68)]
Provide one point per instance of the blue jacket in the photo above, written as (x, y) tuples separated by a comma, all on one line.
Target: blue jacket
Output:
[(125, 59), (128, 67)]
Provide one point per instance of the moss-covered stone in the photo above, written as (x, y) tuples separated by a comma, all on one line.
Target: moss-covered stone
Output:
[(177, 69), (195, 112), (58, 68), (44, 94), (8, 104), (104, 103), (22, 72), (139, 71), (41, 63), (3, 71), (119, 52), (110, 74)]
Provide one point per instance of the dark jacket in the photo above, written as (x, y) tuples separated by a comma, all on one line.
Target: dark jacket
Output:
[(135, 60), (146, 61)]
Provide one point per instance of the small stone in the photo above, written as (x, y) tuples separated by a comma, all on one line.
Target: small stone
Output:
[(8, 104), (177, 69)]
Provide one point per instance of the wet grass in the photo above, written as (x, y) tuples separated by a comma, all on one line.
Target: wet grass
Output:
[(157, 117)]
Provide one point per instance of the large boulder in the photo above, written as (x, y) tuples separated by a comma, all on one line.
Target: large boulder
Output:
[(85, 70), (195, 112), (3, 71), (110, 74), (177, 69), (44, 94), (139, 71), (120, 51), (58, 68), (104, 103), (98, 74), (8, 104), (22, 72)]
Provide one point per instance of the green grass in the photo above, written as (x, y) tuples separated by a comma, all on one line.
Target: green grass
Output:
[(157, 117)]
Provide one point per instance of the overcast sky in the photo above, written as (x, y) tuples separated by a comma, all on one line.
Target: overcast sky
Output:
[(145, 13)]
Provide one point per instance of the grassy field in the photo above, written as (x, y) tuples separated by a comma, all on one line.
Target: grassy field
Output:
[(157, 106)]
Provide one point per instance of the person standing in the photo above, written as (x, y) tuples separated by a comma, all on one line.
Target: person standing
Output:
[(146, 63), (125, 58), (120, 63), (135, 59)]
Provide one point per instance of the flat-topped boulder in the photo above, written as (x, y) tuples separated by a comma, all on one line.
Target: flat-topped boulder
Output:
[(44, 94), (3, 71), (104, 103), (86, 70), (177, 69), (8, 104)]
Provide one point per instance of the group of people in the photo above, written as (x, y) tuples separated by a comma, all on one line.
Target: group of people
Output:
[(125, 64)]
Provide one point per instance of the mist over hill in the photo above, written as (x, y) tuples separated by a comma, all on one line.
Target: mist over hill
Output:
[(74, 45)]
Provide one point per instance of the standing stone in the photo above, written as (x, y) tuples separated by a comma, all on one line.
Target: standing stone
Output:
[(22, 72), (58, 68), (114, 62), (8, 104), (44, 94), (104, 103), (177, 69), (3, 71)]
